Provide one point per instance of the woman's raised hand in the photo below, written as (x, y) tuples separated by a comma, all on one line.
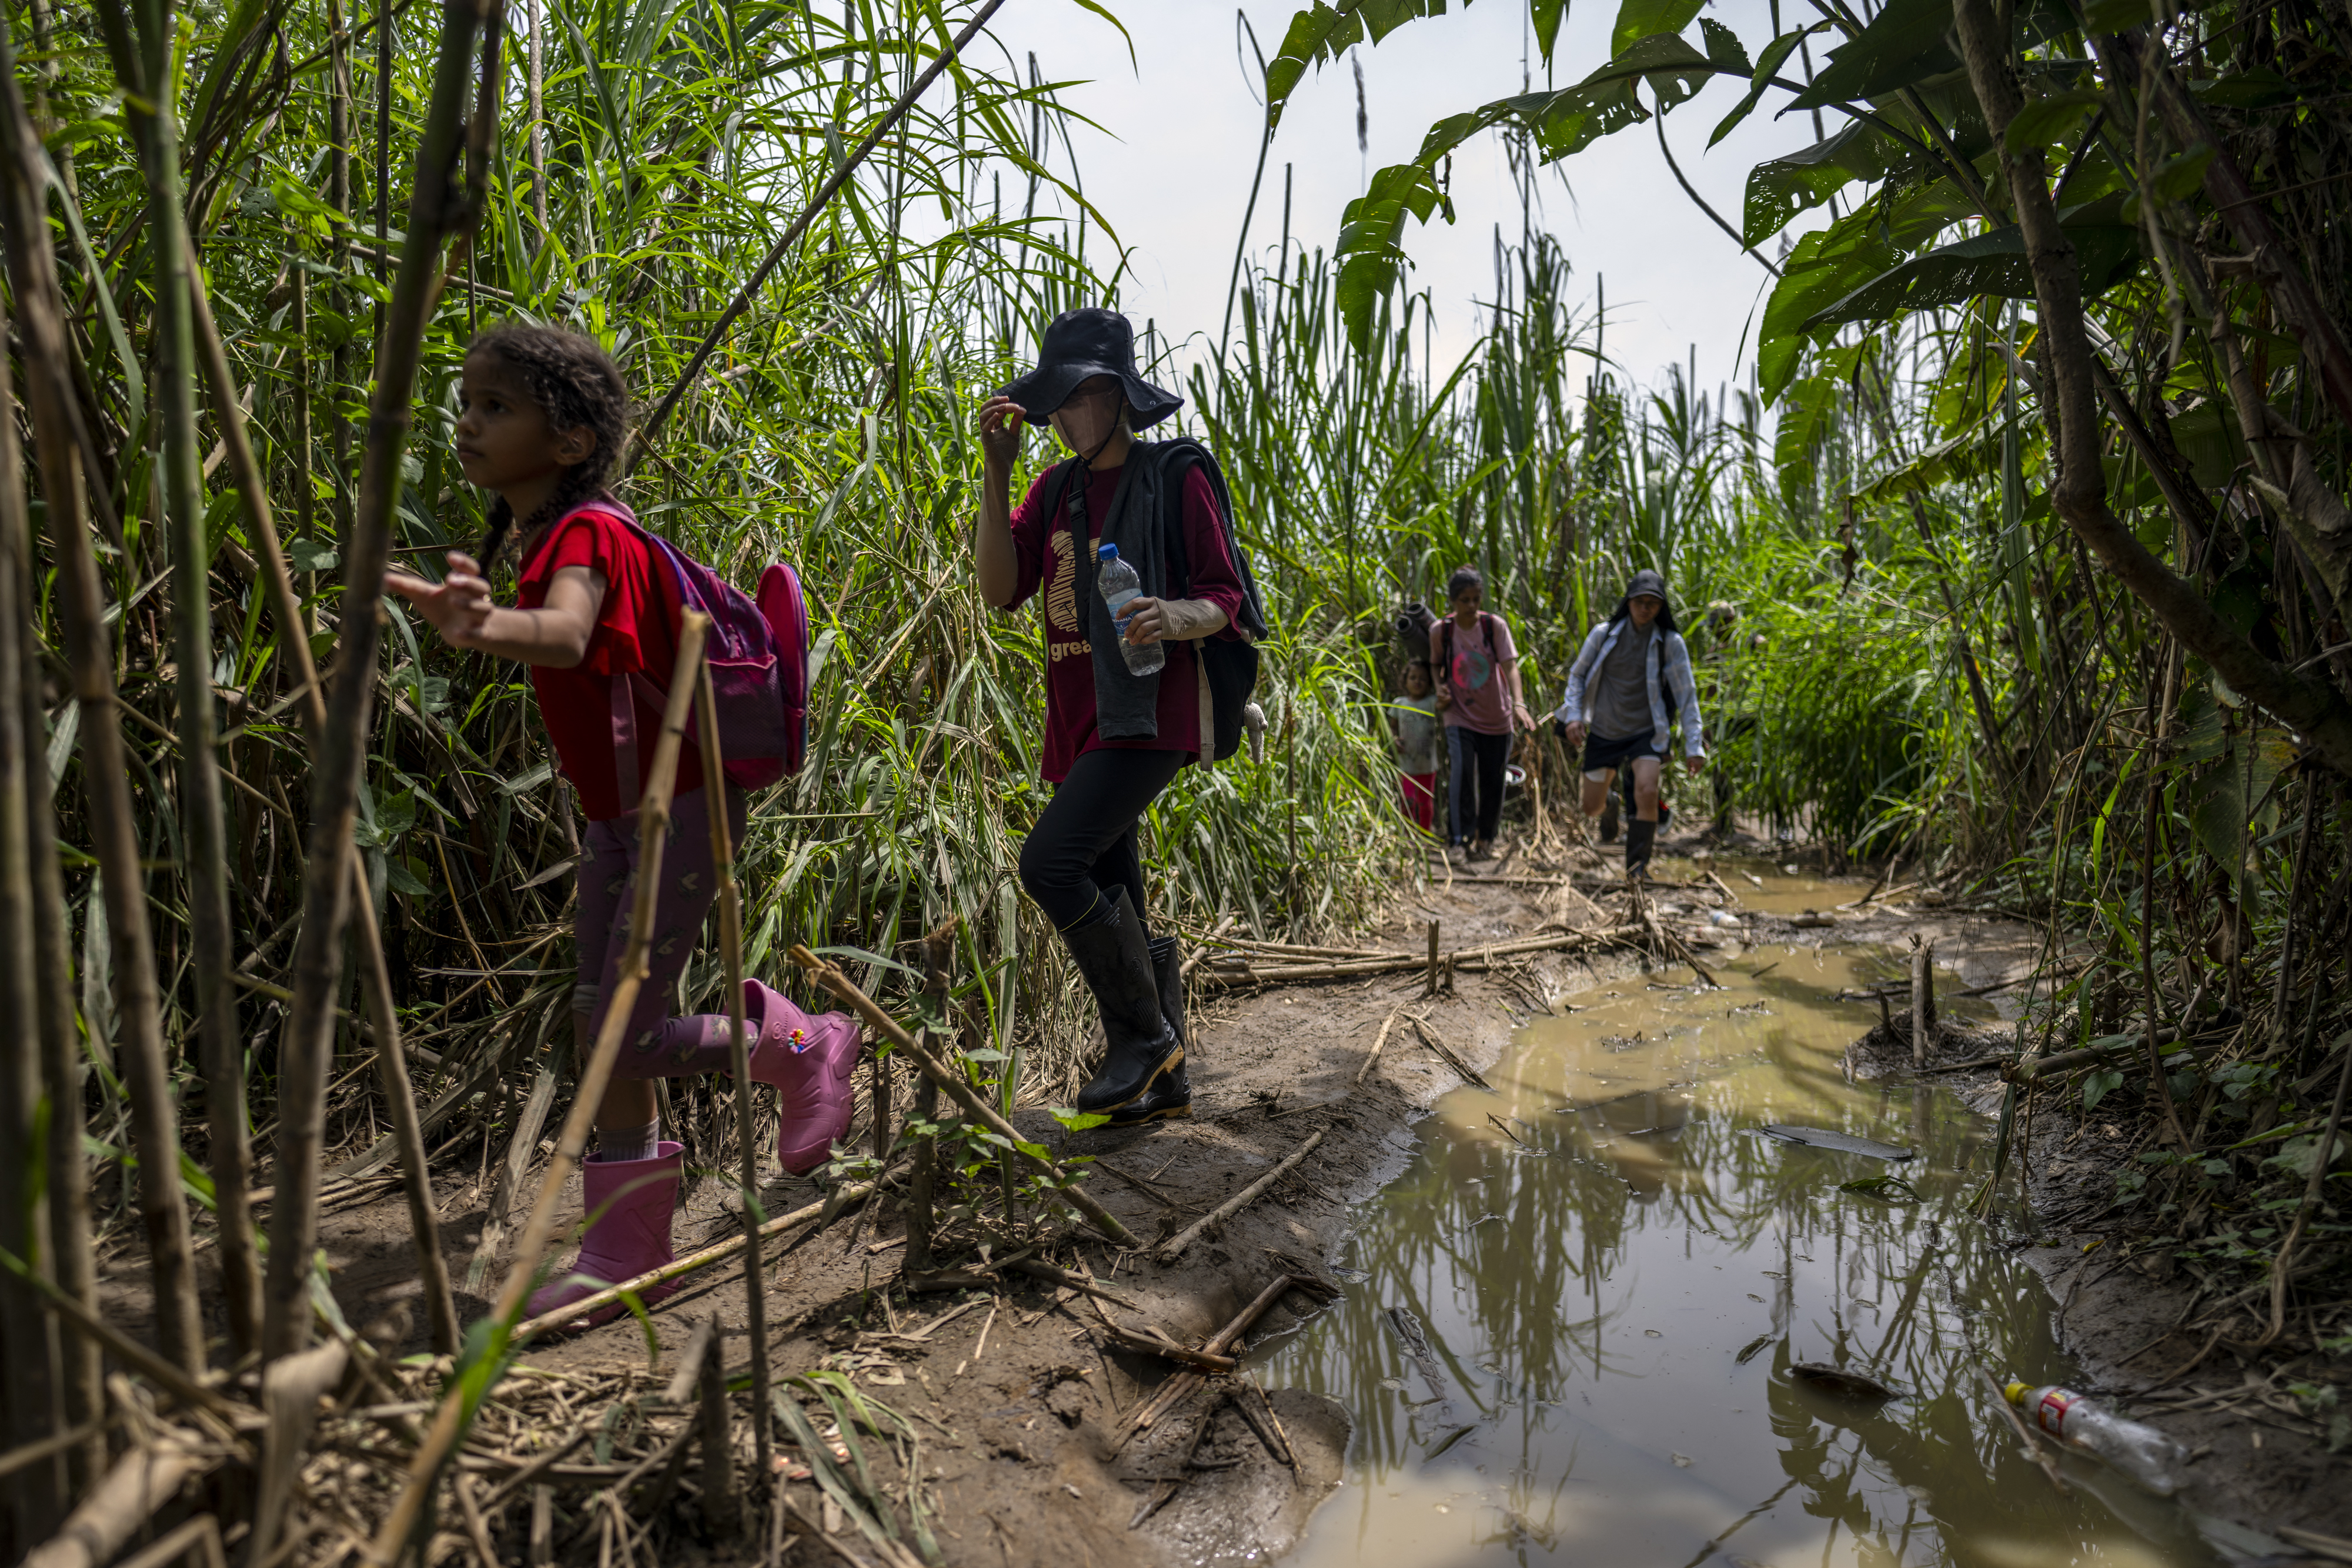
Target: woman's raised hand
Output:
[(457, 605), (1001, 420)]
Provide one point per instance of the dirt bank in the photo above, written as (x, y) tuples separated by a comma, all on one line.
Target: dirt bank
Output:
[(1015, 1389), (1017, 1394)]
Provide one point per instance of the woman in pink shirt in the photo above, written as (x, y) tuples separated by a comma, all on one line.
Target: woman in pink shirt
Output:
[(1478, 691)]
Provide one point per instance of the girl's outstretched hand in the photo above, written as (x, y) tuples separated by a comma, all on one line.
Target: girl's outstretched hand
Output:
[(1001, 420), (457, 605)]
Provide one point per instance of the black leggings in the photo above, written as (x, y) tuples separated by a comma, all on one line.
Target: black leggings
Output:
[(1084, 843), (1476, 797)]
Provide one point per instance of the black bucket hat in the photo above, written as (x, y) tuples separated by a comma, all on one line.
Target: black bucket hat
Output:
[(1647, 582), (1084, 343)]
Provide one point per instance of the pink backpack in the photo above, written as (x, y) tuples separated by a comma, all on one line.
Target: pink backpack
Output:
[(758, 654)]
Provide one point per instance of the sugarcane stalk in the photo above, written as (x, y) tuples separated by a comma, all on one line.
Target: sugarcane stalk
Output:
[(69, 1261), (450, 1419), (436, 209), (230, 1149), (34, 1493), (731, 955), (58, 439), (203, 830)]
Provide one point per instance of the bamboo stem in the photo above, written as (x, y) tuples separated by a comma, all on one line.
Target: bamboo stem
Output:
[(830, 977), (34, 1493), (730, 953), (400, 1104), (57, 433), (33, 269), (939, 952), (434, 210), (203, 827), (450, 1419)]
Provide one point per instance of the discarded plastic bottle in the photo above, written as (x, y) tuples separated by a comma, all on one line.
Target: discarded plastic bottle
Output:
[(2140, 1452), (1118, 584)]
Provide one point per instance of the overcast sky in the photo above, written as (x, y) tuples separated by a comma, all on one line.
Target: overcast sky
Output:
[(1180, 126)]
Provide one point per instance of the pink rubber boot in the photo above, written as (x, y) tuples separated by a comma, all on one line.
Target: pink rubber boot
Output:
[(808, 1059), (629, 1204)]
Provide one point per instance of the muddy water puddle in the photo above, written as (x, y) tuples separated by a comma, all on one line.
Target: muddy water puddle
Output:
[(1570, 1323)]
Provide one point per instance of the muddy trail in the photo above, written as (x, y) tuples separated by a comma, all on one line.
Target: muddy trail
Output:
[(1529, 1279)]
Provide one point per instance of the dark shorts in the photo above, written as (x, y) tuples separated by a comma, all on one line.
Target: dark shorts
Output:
[(1602, 752)]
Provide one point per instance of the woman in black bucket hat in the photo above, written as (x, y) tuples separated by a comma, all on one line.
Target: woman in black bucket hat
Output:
[(1114, 738)]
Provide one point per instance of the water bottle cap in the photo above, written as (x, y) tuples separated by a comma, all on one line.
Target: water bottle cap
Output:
[(1106, 552), (2017, 1393)]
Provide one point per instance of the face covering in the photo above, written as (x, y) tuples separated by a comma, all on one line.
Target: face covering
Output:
[(1086, 423)]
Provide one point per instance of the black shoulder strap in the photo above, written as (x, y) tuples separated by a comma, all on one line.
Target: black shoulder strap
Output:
[(1178, 457)]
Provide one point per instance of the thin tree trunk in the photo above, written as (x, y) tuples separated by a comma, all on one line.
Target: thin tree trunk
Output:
[(34, 1493), (78, 1367), (436, 210), (730, 950), (277, 583), (339, 197), (48, 396), (2079, 495), (203, 832), (537, 110)]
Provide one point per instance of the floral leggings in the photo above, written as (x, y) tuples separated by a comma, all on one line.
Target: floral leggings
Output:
[(656, 1045)]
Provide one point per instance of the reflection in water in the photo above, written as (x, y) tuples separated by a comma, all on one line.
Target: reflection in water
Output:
[(1608, 1310)]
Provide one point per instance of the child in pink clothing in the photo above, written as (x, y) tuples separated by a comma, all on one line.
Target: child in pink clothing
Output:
[(542, 423), (1416, 736)]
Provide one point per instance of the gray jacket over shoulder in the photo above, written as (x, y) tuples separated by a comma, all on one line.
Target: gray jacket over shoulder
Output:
[(1668, 670)]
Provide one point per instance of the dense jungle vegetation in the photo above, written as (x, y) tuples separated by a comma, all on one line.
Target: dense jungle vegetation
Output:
[(2030, 512)]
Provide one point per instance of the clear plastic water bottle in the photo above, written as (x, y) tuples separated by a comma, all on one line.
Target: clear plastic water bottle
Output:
[(2140, 1452), (1119, 584)]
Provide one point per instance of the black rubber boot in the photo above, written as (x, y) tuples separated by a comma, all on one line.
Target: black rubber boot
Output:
[(1639, 836), (1171, 1094), (1609, 821), (1117, 966)]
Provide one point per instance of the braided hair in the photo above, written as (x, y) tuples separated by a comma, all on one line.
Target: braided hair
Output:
[(577, 386)]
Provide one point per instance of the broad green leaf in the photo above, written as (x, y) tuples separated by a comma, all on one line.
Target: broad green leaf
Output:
[(1639, 19), (1549, 15), (1724, 48), (2261, 87), (1991, 264), (2180, 174), (1906, 42), (1781, 188), (1826, 266), (2116, 15), (2047, 119), (1324, 32), (1767, 65), (1370, 251)]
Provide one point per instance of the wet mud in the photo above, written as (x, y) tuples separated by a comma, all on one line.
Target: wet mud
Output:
[(1568, 1304)]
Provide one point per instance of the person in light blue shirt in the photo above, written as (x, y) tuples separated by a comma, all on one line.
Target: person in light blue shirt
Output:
[(1616, 707)]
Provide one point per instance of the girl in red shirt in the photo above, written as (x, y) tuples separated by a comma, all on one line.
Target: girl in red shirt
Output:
[(543, 417), (1114, 740)]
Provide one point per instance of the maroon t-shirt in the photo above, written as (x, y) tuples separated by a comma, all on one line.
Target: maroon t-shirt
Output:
[(1041, 546)]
